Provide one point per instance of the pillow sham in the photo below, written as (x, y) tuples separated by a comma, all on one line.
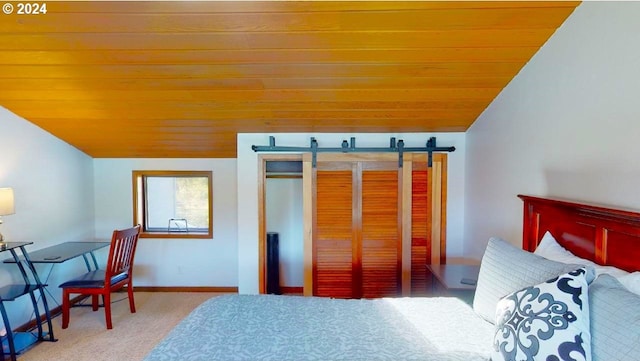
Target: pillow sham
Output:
[(545, 322), (549, 248), (615, 320), (505, 269)]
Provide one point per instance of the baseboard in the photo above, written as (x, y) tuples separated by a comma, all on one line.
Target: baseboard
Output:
[(185, 289)]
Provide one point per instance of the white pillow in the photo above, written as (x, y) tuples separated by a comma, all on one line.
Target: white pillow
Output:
[(548, 321), (549, 248)]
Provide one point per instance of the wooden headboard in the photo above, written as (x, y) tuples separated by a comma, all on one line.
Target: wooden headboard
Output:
[(604, 235)]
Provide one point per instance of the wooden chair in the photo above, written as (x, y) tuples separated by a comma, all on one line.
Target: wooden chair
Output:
[(118, 273)]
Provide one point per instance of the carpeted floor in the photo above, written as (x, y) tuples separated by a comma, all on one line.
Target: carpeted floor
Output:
[(132, 336)]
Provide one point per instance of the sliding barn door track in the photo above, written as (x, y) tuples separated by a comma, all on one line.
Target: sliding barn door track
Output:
[(350, 147)]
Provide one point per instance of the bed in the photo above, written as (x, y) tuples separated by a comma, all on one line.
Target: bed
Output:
[(270, 327)]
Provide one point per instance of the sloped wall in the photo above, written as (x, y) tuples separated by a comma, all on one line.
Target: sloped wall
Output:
[(53, 189), (567, 126)]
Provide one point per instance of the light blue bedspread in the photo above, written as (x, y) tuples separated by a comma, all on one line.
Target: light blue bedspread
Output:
[(269, 327)]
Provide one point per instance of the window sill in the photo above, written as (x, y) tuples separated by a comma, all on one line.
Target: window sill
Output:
[(182, 235)]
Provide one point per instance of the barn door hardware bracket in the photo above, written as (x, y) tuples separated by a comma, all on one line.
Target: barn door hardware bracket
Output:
[(350, 147), (314, 152), (400, 148)]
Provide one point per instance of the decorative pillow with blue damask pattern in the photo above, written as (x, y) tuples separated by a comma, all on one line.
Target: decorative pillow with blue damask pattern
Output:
[(545, 322)]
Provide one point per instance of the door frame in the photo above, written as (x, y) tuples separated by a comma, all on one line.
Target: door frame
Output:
[(262, 221)]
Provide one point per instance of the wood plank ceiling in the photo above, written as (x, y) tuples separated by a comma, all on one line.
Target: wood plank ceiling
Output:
[(181, 79)]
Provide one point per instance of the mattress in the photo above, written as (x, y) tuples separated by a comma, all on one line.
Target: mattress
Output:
[(271, 327)]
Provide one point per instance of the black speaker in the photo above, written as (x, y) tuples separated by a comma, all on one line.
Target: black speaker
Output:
[(273, 264)]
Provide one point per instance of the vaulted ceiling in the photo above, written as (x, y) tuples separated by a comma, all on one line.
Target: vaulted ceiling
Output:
[(181, 79)]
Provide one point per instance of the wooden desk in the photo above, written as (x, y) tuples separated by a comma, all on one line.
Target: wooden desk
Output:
[(446, 280)]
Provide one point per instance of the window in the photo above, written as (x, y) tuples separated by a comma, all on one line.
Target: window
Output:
[(173, 204)]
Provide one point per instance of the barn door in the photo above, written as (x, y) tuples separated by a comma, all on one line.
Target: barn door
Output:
[(427, 219), (335, 257), (357, 229), (371, 227), (380, 225)]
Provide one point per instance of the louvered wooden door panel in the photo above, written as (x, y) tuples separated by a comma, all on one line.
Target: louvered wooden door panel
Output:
[(381, 235), (357, 230), (333, 245), (420, 230)]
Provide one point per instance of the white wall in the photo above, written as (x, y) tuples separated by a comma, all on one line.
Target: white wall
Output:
[(53, 188), (248, 188), (283, 214), (567, 126), (172, 262)]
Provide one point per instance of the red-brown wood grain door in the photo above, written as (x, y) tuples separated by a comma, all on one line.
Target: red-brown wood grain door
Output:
[(381, 248), (420, 226), (334, 259), (357, 243)]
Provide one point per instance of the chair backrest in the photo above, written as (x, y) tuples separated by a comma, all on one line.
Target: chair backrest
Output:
[(121, 253)]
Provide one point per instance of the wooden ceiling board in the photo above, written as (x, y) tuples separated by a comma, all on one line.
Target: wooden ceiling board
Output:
[(144, 7), (226, 71), (277, 95), (133, 105), (277, 40), (414, 20), (270, 56), (17, 84), (181, 78)]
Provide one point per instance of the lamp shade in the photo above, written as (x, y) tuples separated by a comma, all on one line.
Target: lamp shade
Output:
[(6, 202)]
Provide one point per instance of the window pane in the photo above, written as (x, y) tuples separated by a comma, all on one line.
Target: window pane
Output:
[(192, 201), (173, 204), (177, 198)]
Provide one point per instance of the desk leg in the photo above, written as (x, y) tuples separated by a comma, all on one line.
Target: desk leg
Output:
[(86, 261), (46, 289), (47, 314), (36, 311), (46, 283), (5, 319), (95, 262)]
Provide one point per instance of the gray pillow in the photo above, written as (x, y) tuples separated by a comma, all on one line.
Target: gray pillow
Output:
[(615, 321), (505, 269)]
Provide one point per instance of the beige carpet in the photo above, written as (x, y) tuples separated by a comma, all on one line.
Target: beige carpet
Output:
[(133, 334)]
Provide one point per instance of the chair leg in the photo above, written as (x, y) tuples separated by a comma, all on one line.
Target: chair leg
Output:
[(65, 308), (94, 302), (132, 303), (107, 309)]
